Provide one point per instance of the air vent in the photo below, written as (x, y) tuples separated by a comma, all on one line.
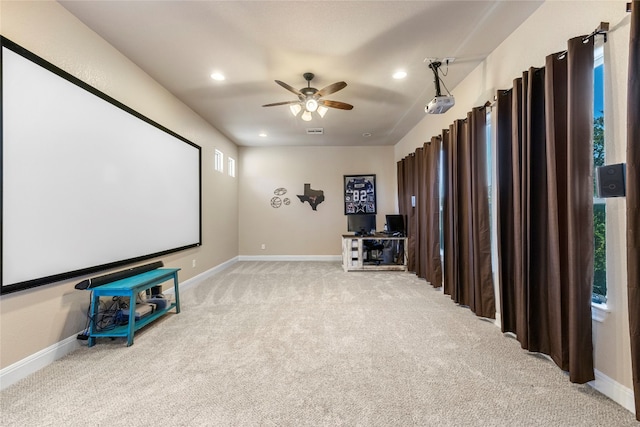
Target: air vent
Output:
[(315, 131)]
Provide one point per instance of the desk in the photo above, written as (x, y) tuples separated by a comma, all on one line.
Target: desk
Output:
[(353, 252), (131, 287)]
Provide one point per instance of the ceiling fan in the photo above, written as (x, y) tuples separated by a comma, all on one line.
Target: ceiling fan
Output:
[(309, 98)]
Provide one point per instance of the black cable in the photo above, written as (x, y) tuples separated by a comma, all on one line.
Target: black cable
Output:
[(445, 86), (443, 73), (435, 66), (107, 317)]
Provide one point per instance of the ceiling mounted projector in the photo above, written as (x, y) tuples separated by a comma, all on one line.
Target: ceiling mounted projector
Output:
[(441, 103)]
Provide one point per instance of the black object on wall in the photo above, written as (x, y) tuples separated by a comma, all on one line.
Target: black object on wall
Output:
[(611, 180)]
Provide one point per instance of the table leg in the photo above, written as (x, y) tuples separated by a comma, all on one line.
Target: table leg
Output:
[(95, 307), (132, 319), (176, 291)]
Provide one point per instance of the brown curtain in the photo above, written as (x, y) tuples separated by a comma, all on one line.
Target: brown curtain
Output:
[(467, 244), (433, 256), (406, 182), (427, 256), (505, 209), (633, 197), (402, 196), (409, 212), (418, 176), (483, 302), (449, 212), (545, 208), (420, 216)]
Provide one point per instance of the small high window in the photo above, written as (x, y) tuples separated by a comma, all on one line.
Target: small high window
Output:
[(218, 161), (231, 166)]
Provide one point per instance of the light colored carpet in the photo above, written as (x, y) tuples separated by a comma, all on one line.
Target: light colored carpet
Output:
[(305, 344)]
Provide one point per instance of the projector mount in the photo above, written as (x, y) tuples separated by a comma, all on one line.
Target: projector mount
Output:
[(441, 103), (434, 66)]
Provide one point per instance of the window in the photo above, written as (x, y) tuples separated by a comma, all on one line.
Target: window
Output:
[(599, 206), (231, 166), (218, 159)]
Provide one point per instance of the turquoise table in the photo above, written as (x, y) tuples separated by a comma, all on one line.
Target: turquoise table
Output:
[(131, 287)]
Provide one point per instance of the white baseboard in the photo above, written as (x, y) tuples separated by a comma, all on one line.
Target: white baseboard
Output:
[(27, 366), (498, 320), (33, 363), (328, 258), (615, 391), (200, 277)]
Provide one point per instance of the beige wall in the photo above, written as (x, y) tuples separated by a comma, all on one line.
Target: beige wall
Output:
[(35, 319), (296, 229), (545, 32)]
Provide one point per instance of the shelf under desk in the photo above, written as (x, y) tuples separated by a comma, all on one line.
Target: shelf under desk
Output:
[(353, 252)]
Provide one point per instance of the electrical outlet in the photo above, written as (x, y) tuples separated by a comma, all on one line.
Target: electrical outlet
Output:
[(193, 263), (263, 246)]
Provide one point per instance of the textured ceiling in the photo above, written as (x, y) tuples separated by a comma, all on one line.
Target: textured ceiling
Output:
[(180, 43)]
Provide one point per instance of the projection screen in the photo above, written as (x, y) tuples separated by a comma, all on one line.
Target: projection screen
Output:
[(87, 183)]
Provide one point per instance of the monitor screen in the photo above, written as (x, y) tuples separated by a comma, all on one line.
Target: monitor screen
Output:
[(361, 224), (395, 224)]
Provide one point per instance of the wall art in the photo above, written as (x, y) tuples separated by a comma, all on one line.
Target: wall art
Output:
[(359, 194)]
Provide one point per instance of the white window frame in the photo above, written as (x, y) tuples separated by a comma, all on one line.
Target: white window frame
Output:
[(600, 311), (231, 166), (218, 161)]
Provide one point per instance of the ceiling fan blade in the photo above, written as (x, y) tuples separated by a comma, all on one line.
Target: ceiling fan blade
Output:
[(335, 104), (331, 89), (282, 103), (289, 88)]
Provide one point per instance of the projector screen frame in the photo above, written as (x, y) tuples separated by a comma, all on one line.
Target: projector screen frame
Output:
[(75, 273)]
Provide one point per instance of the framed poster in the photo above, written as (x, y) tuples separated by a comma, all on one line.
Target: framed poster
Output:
[(359, 194)]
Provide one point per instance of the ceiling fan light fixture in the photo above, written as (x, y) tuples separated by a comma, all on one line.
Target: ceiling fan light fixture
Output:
[(311, 105), (311, 99), (295, 109)]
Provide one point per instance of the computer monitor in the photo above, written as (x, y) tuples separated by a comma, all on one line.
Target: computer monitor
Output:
[(395, 224), (362, 225)]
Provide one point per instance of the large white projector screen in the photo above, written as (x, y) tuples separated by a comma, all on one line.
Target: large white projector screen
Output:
[(87, 183)]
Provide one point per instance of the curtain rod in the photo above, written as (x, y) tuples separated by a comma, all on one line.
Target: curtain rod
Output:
[(603, 29), (490, 104)]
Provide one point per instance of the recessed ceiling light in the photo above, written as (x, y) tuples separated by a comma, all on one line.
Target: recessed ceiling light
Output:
[(262, 134), (366, 134), (401, 74), (217, 76)]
